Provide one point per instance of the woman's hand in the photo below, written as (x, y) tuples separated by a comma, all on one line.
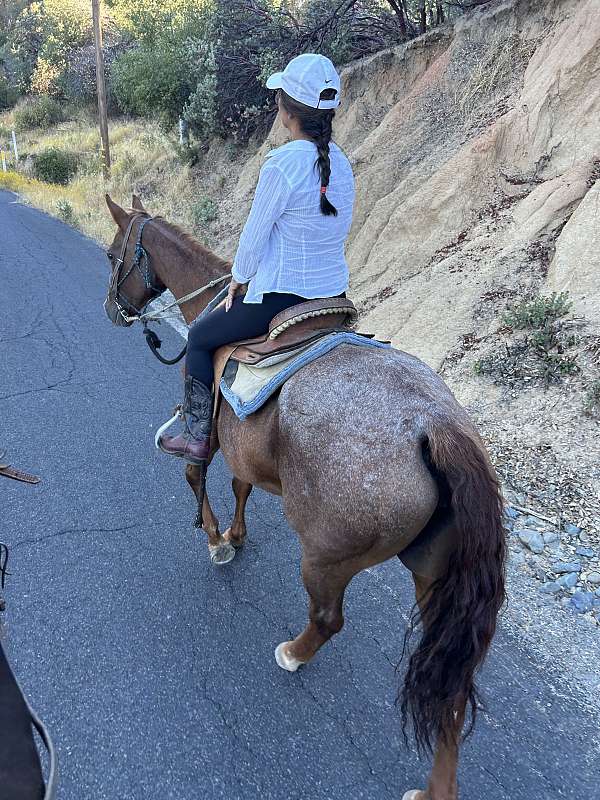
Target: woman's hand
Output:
[(234, 289)]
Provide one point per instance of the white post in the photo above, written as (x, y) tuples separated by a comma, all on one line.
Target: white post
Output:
[(4, 163), (14, 140)]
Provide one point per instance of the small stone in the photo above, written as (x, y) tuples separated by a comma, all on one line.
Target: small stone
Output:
[(517, 558), (532, 540), (550, 536), (534, 522), (540, 574), (568, 580), (597, 592), (566, 566), (584, 537), (551, 587), (594, 577), (571, 529), (585, 551), (511, 512), (582, 602)]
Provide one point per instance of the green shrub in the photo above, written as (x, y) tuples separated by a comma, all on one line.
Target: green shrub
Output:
[(65, 212), (204, 211), (150, 82), (38, 112), (591, 402), (55, 166), (537, 312), (8, 95)]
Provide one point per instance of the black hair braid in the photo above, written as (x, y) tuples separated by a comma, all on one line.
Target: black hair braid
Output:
[(323, 162), (316, 124)]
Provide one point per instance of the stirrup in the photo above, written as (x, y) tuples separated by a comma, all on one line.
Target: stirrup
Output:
[(178, 415)]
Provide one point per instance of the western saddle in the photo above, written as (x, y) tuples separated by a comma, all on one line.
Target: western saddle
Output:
[(289, 330)]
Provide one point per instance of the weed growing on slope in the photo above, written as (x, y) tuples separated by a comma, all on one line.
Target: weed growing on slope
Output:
[(544, 354), (591, 403), (538, 312)]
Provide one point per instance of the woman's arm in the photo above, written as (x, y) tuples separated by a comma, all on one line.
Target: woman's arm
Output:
[(270, 199)]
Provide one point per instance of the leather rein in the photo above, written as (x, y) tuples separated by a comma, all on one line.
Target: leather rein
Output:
[(127, 309)]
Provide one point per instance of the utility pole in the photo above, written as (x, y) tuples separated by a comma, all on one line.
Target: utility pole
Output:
[(101, 87)]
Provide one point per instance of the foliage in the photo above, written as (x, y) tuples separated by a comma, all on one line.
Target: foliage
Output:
[(592, 398), (8, 94), (151, 83), (537, 312), (156, 77), (38, 112), (544, 355), (55, 166), (65, 211), (204, 211)]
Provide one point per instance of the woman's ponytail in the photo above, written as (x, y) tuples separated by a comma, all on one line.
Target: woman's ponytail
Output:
[(323, 162), (316, 123)]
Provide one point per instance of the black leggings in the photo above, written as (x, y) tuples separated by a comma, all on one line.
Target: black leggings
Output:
[(242, 321)]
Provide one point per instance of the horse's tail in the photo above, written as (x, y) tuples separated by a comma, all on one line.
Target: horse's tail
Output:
[(457, 616)]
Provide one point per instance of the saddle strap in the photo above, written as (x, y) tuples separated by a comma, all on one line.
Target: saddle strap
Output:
[(17, 474)]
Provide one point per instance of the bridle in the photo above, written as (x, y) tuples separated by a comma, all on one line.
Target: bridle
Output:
[(127, 309), (141, 261)]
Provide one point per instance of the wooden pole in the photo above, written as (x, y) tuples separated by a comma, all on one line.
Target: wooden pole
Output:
[(101, 87)]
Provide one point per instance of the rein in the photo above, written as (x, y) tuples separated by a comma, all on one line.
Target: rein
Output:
[(141, 261)]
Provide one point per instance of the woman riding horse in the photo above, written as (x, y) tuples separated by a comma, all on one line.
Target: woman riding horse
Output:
[(292, 246)]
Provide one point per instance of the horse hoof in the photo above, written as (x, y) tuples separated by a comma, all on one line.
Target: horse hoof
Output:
[(414, 794), (233, 542), (284, 661), (221, 553)]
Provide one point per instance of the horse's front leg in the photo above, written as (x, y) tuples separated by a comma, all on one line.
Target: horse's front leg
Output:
[(236, 534), (220, 550)]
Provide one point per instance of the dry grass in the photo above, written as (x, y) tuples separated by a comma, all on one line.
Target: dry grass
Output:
[(145, 161)]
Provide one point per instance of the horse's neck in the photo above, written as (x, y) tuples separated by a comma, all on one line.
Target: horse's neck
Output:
[(187, 268)]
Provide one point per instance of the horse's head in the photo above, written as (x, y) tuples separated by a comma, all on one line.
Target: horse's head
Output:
[(133, 283)]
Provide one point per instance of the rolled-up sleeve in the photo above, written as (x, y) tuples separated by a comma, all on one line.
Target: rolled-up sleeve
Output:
[(270, 199)]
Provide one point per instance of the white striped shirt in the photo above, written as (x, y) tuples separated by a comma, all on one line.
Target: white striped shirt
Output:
[(288, 244)]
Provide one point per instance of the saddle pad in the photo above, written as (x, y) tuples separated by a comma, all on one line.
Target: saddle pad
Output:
[(248, 387)]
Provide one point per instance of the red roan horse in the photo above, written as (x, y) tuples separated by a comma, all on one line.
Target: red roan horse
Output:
[(373, 457)]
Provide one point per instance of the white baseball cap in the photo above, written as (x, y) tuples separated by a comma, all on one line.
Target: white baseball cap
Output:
[(305, 77)]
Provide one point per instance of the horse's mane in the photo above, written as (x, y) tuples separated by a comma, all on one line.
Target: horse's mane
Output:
[(196, 249)]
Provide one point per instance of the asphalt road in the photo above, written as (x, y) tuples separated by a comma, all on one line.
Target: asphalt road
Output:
[(154, 669)]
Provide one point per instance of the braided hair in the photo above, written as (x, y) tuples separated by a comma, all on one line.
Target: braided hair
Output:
[(316, 123)]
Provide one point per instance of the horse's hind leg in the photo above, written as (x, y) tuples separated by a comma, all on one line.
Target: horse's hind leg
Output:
[(221, 552), (442, 783), (236, 534), (325, 584)]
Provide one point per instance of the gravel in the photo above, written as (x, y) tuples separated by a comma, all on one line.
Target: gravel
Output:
[(533, 540)]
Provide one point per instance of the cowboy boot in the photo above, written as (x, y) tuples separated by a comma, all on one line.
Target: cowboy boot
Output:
[(194, 443)]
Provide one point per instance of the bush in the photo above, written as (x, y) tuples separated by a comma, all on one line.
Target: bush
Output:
[(537, 312), (151, 82), (204, 211), (8, 95), (39, 112), (65, 211), (592, 398), (55, 166)]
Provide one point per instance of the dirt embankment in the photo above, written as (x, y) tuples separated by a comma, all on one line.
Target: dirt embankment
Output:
[(476, 150)]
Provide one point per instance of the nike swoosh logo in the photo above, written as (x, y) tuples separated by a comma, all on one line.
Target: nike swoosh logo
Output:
[(328, 81)]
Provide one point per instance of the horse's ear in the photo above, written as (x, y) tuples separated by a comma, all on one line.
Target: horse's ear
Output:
[(137, 204), (120, 216)]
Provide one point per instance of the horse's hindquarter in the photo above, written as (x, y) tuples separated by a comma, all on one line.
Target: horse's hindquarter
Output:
[(351, 428), (343, 446)]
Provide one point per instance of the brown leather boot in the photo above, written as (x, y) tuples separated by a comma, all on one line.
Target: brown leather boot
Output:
[(194, 443)]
